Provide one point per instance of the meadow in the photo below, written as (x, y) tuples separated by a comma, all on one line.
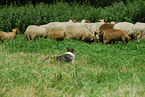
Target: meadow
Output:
[(110, 70)]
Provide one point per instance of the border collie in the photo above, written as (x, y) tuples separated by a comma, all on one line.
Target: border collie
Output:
[(67, 57)]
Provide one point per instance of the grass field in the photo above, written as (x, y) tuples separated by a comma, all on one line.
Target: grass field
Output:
[(112, 70)]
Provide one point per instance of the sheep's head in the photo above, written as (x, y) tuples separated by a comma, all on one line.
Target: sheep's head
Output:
[(74, 21), (16, 30), (103, 20), (87, 21)]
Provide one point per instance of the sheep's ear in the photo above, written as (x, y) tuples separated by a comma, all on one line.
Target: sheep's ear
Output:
[(18, 31), (105, 20)]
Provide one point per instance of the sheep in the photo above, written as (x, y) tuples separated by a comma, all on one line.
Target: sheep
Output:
[(62, 25), (75, 21), (115, 34), (8, 35), (78, 32), (114, 22), (106, 26), (56, 33), (125, 26), (139, 30), (103, 20), (52, 25), (70, 21), (33, 31), (85, 21), (96, 26)]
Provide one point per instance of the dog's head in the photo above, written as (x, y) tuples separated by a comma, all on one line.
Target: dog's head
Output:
[(71, 53), (71, 50)]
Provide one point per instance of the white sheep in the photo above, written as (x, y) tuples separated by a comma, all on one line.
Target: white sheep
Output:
[(56, 34), (96, 26), (85, 21), (52, 25), (139, 30), (33, 31), (70, 21), (125, 26), (78, 32)]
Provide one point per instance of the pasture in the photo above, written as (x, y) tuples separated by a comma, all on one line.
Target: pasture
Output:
[(111, 70)]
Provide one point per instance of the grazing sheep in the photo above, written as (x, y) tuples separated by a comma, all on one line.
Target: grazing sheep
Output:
[(103, 20), (52, 25), (78, 32), (125, 26), (114, 22), (33, 31), (75, 21), (96, 26), (85, 21), (115, 34), (70, 21), (56, 33), (139, 30), (8, 35), (106, 26)]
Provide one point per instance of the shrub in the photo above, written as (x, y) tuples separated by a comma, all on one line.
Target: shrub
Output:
[(23, 16)]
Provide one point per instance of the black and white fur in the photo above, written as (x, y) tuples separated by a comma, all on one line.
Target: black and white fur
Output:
[(67, 57)]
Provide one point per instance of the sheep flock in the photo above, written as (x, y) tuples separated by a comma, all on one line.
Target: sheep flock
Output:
[(85, 31)]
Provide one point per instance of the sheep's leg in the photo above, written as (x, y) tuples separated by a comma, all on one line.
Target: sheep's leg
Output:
[(44, 35), (123, 40), (50, 36), (68, 36), (25, 36), (139, 36), (33, 36), (83, 38), (105, 40), (12, 38), (1, 41), (28, 35), (54, 38)]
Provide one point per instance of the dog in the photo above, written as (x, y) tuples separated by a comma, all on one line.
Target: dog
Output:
[(67, 57)]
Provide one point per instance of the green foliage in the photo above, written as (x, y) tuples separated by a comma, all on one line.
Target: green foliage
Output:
[(125, 12), (23, 16)]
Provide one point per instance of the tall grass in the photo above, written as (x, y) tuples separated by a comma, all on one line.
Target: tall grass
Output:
[(99, 70), (23, 16)]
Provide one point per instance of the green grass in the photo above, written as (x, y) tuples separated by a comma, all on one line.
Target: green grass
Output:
[(111, 70)]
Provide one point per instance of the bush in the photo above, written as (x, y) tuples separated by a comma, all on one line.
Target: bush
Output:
[(23, 16)]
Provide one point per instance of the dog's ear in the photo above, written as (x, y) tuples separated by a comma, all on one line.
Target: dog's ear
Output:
[(72, 50), (68, 49)]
